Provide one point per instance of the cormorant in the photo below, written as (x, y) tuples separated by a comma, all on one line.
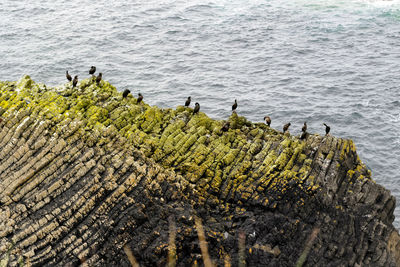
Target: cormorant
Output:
[(69, 78), (92, 70), (140, 98), (187, 103), (98, 79), (267, 120), (196, 108), (304, 129), (327, 129), (286, 127), (234, 106), (225, 128), (126, 93), (75, 81)]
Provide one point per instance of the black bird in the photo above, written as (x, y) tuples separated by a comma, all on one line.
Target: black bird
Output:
[(69, 78), (267, 120), (98, 79), (304, 129), (327, 129), (140, 98), (187, 103), (234, 106), (225, 128), (286, 127), (75, 81), (92, 70), (196, 108), (126, 93), (303, 135)]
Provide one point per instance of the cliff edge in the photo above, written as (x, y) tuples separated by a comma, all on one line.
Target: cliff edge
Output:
[(89, 177)]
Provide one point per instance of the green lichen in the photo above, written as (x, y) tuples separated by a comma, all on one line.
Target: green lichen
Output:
[(247, 160)]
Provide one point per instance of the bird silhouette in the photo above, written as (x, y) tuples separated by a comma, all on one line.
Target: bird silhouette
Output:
[(75, 81), (99, 77), (234, 106), (69, 78), (286, 127), (327, 129), (187, 103), (140, 98), (304, 129), (126, 93), (92, 70), (267, 120), (196, 108)]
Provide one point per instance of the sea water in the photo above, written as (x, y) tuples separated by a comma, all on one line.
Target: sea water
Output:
[(331, 61)]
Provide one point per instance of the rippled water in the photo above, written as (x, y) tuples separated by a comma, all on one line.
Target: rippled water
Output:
[(301, 60)]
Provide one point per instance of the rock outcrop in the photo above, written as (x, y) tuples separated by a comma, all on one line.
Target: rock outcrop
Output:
[(88, 177)]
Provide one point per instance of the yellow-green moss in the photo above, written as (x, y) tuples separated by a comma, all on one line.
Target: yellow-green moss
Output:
[(247, 159)]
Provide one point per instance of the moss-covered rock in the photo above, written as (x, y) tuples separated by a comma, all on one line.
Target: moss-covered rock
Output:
[(84, 171)]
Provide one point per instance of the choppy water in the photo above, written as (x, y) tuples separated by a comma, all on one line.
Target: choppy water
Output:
[(333, 61)]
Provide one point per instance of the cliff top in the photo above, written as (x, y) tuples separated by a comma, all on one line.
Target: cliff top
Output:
[(68, 155)]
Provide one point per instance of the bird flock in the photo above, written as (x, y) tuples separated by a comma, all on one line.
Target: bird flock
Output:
[(196, 109), (98, 79)]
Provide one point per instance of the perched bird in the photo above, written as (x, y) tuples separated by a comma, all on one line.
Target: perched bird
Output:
[(69, 78), (187, 103), (303, 135), (286, 127), (98, 79), (126, 93), (304, 129), (75, 81), (267, 120), (327, 129), (234, 106), (92, 70), (196, 108), (225, 127), (140, 98)]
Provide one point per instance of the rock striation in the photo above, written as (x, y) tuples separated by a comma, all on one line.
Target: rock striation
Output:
[(90, 177)]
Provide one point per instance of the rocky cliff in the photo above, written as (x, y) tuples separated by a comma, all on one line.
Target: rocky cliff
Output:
[(88, 177)]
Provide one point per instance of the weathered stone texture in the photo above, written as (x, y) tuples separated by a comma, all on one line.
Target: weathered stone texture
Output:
[(84, 172)]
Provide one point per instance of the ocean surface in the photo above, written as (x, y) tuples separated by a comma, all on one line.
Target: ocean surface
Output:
[(318, 61)]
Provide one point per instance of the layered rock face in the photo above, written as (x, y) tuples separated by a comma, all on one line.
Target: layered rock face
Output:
[(88, 177)]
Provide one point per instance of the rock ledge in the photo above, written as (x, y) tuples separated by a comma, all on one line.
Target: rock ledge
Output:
[(85, 174)]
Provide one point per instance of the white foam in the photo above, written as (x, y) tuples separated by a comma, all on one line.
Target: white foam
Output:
[(382, 3)]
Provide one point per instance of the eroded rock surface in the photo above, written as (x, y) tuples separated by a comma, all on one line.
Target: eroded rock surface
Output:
[(84, 172)]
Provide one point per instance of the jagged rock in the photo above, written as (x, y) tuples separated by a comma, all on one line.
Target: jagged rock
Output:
[(86, 175)]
